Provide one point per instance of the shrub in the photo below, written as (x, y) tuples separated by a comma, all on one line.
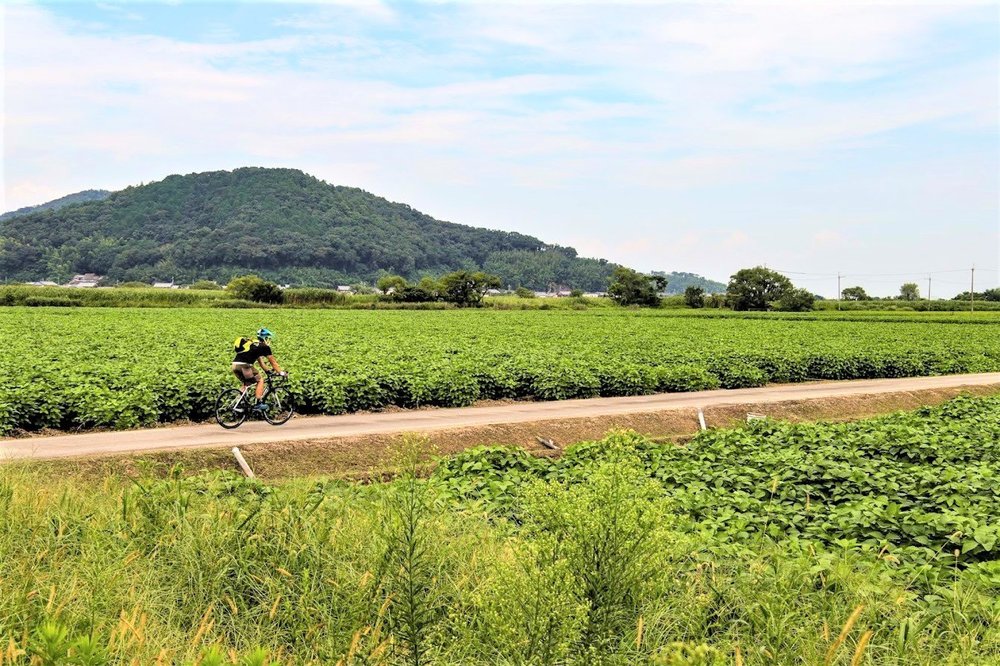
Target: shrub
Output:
[(629, 287), (393, 283), (466, 288), (694, 297), (256, 289), (414, 294), (208, 285), (796, 300), (524, 292)]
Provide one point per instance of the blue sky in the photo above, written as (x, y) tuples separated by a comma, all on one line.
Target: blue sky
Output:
[(819, 138)]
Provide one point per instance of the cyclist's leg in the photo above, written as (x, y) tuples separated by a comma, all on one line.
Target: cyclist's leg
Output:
[(260, 384)]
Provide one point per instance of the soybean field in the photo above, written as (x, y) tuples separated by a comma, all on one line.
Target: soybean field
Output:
[(82, 368)]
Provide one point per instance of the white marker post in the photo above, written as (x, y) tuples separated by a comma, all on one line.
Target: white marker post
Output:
[(243, 463), (701, 419)]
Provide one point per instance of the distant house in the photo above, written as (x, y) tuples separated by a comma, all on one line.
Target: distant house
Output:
[(166, 285), (85, 280), (44, 283), (344, 289)]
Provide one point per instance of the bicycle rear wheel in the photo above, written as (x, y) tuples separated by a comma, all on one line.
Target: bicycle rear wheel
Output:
[(226, 406), (279, 406)]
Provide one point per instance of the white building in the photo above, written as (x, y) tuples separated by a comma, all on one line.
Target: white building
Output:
[(85, 280)]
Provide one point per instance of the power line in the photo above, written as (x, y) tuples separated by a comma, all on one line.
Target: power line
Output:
[(921, 273), (914, 276)]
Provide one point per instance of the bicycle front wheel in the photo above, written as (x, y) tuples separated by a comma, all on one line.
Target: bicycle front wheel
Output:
[(279, 406), (230, 408)]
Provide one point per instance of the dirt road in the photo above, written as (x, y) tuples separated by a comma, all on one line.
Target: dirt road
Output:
[(434, 420)]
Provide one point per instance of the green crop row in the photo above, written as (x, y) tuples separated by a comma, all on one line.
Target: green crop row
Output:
[(920, 490), (121, 368)]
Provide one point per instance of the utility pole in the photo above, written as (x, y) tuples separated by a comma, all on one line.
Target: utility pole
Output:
[(972, 291), (840, 294), (928, 287)]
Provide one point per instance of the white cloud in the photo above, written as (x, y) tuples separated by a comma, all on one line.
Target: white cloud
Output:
[(574, 110)]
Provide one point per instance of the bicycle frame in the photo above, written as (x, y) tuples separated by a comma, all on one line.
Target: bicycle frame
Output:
[(268, 387), (243, 396)]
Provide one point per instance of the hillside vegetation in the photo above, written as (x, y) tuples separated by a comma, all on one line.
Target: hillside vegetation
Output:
[(56, 204), (280, 223)]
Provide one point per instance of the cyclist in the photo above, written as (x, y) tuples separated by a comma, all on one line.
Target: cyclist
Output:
[(249, 351)]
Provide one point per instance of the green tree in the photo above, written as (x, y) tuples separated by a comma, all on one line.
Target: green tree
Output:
[(717, 301), (362, 288), (430, 287), (694, 297), (629, 287), (426, 291), (387, 283), (909, 291), (254, 288), (854, 294), (755, 288), (796, 300), (466, 288), (524, 292)]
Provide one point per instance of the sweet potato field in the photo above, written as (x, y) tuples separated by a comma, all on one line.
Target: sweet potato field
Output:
[(125, 368)]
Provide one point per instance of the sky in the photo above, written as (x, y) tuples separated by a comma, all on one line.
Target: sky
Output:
[(816, 139)]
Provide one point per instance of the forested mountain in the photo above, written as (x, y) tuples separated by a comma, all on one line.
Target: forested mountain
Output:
[(280, 223), (79, 197), (677, 282)]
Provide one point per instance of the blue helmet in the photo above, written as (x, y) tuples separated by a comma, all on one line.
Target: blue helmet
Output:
[(264, 334)]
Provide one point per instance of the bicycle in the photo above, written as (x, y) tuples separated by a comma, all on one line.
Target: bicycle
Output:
[(232, 407)]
